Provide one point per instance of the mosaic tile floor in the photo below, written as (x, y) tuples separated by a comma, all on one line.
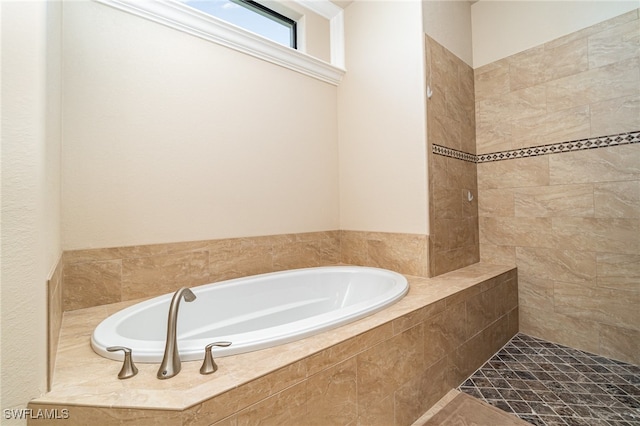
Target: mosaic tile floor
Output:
[(548, 384)]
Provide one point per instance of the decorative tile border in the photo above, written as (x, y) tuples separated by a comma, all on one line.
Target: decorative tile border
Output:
[(453, 153), (577, 145)]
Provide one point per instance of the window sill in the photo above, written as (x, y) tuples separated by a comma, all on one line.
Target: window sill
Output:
[(188, 20)]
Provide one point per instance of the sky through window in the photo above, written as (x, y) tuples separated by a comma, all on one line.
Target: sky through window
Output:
[(244, 17)]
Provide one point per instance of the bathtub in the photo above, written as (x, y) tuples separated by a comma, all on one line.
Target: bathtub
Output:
[(253, 313)]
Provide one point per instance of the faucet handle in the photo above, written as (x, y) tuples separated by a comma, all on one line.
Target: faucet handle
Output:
[(209, 365), (128, 368)]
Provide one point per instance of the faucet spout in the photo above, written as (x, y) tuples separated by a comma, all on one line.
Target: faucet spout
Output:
[(170, 365)]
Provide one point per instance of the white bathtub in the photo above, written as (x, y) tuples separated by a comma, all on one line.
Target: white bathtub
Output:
[(253, 313)]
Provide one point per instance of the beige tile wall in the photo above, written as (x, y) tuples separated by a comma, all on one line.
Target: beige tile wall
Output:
[(404, 253), (451, 123), (102, 276), (569, 221)]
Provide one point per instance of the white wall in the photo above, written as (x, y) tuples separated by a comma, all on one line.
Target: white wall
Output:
[(449, 23), (383, 177), (503, 28), (30, 191), (170, 138)]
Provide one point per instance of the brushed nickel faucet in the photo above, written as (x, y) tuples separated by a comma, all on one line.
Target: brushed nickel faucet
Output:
[(170, 365)]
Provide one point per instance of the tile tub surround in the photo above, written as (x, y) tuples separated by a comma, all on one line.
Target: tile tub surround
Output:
[(570, 220), (96, 277), (387, 368)]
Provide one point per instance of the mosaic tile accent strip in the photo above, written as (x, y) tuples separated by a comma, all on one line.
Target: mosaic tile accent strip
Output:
[(577, 145), (453, 153), (547, 384)]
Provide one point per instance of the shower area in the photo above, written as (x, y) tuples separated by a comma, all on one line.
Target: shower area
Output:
[(548, 140)]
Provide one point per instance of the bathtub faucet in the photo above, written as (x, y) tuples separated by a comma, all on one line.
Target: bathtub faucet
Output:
[(170, 365)]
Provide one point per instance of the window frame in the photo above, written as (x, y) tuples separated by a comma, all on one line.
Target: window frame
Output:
[(274, 16), (187, 19)]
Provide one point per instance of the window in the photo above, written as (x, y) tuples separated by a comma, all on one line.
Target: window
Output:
[(183, 15), (251, 16)]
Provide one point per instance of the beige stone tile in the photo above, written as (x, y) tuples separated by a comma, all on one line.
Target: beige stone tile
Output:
[(615, 44), (492, 134), (304, 254), (596, 234), (91, 284), (229, 421), (492, 80), (513, 321), (453, 259), (386, 366), (518, 104), (270, 384), (535, 292), (619, 271), (443, 64), (527, 68), (482, 310), (521, 172), (617, 199), (286, 407), (574, 332), (431, 412), (554, 201), (447, 202), (416, 317), (444, 130), (155, 275), (515, 231), (419, 393), (497, 255), (444, 332), (602, 305), (469, 207), (333, 355), (238, 257), (332, 395), (212, 410), (560, 265), (353, 247), (403, 253), (473, 353), (565, 59), (620, 343), (616, 163), (615, 116), (595, 85), (379, 414), (462, 232), (559, 126)]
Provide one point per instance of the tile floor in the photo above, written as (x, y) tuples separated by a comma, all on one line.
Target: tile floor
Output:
[(548, 384)]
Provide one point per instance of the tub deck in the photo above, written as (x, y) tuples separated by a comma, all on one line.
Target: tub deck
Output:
[(86, 384)]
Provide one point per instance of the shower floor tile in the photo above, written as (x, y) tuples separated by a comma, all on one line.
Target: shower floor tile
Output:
[(548, 384)]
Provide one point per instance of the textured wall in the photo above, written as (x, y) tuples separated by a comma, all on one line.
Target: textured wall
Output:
[(171, 138), (569, 220)]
